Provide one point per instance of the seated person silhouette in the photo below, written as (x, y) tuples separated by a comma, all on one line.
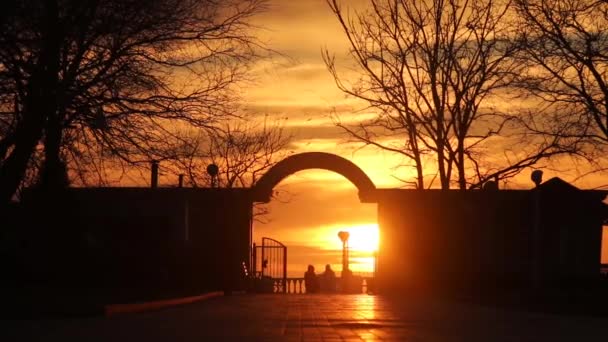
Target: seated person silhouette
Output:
[(310, 280), (328, 280)]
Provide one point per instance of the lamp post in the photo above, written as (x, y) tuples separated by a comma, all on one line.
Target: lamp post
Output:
[(154, 175), (346, 274), (343, 235), (213, 170)]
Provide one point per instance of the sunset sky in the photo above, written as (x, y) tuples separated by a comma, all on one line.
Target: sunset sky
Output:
[(298, 87)]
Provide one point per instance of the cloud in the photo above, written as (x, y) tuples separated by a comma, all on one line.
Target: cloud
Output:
[(308, 134), (300, 27)]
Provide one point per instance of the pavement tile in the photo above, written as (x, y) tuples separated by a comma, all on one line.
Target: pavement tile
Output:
[(315, 318)]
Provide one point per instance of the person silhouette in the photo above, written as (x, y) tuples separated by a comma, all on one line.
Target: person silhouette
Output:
[(328, 280), (310, 280)]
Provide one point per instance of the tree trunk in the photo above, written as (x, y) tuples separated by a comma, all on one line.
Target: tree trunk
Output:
[(53, 174), (445, 181), (14, 167), (417, 159), (40, 104), (419, 172), (462, 180)]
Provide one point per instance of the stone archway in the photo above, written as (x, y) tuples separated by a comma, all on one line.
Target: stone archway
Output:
[(262, 190)]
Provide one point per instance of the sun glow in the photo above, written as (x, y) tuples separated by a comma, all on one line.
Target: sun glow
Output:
[(363, 237)]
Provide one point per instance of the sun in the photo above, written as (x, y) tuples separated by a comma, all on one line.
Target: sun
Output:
[(363, 237)]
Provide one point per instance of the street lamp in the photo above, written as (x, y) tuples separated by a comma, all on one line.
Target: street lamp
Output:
[(343, 235), (213, 170)]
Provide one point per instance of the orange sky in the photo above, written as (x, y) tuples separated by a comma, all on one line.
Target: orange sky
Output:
[(299, 88)]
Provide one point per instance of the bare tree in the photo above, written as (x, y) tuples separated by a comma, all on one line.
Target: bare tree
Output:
[(88, 78), (242, 150), (566, 45), (432, 72)]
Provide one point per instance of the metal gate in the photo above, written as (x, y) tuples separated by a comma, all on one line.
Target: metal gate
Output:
[(270, 265)]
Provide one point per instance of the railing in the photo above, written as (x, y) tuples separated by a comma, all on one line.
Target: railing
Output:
[(294, 286), (298, 286)]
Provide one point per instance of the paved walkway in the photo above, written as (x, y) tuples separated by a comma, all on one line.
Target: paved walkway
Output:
[(314, 318)]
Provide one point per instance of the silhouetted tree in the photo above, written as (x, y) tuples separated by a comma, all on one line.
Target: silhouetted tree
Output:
[(86, 80), (242, 150), (433, 72), (565, 43)]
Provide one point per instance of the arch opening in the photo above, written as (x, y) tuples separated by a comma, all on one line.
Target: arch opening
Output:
[(309, 223)]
